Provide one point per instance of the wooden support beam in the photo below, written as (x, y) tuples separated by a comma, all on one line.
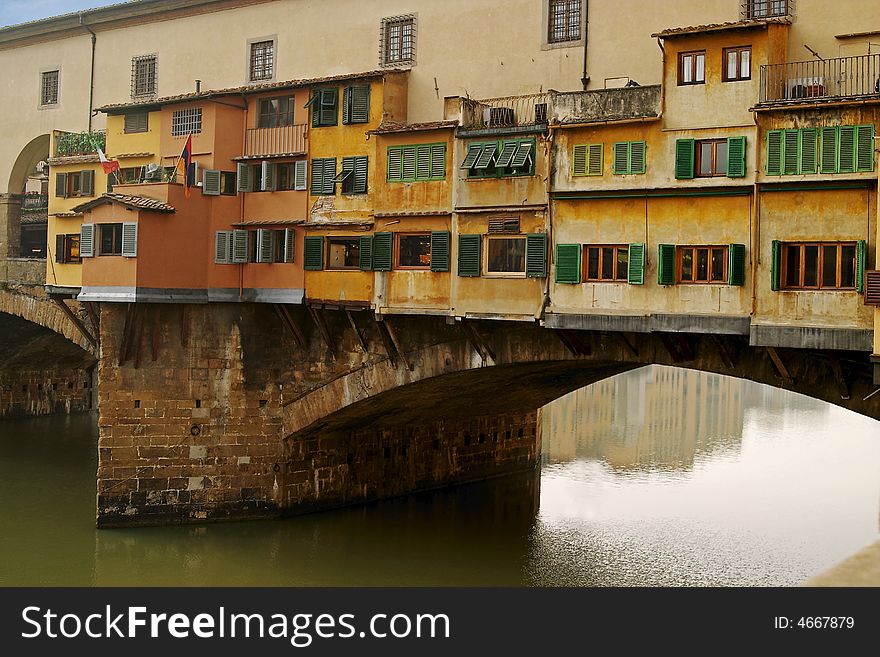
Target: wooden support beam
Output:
[(387, 343), (685, 346), (573, 341), (671, 347), (323, 330), (127, 330), (184, 325), (476, 341), (138, 333), (357, 331), (288, 322), (724, 352), (780, 366), (398, 345), (76, 321), (628, 345), (155, 332), (94, 318), (678, 346), (840, 378)]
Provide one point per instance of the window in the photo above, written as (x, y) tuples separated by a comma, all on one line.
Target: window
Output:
[(228, 183), (75, 183), (323, 177), (49, 88), (737, 63), (497, 159), (143, 76), (262, 61), (416, 163), (711, 158), (67, 248), (356, 104), (506, 255), (136, 122), (629, 157), (343, 253), (398, 40), (587, 160), (110, 239), (819, 265), (564, 21), (692, 67), (354, 175), (607, 262), (832, 149), (702, 264), (325, 107), (766, 8), (275, 112), (186, 121), (413, 251)]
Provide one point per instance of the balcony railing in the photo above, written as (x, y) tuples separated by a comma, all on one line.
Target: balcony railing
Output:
[(284, 140), (758, 9), (34, 202), (821, 79), (507, 112)]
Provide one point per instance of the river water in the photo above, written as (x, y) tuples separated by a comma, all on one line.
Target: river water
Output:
[(655, 477)]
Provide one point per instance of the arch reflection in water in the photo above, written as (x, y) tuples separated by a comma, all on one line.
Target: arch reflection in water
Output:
[(665, 476)]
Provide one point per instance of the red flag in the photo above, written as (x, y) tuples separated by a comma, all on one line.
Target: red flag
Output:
[(109, 166)]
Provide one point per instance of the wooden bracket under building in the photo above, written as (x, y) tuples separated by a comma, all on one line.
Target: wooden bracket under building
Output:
[(289, 323), (628, 344), (155, 332), (323, 329), (780, 366), (357, 331), (94, 318), (76, 321), (840, 378), (477, 341), (385, 336), (678, 346), (184, 325), (398, 346), (724, 352), (572, 341)]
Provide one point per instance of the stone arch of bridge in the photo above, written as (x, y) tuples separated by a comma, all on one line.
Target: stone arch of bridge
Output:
[(37, 310), (36, 150)]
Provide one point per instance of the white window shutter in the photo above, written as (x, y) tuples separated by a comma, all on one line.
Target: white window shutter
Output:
[(211, 182), (289, 244), (129, 239), (87, 241), (245, 184), (240, 240), (265, 245), (267, 177), (222, 247), (301, 175)]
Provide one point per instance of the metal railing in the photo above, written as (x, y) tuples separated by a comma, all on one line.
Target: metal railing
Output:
[(507, 112), (284, 140), (758, 9), (31, 202), (838, 78)]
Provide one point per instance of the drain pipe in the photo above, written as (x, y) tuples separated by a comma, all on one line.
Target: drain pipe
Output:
[(92, 71), (585, 79)]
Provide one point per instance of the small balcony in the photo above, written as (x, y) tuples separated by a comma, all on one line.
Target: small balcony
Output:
[(276, 142), (753, 10), (71, 144), (841, 78), (507, 113)]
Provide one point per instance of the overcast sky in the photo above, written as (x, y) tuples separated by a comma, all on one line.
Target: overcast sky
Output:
[(13, 12)]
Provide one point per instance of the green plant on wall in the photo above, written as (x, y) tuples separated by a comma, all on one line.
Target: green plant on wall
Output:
[(79, 143)]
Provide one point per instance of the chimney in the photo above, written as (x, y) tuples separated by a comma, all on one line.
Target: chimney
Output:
[(198, 86)]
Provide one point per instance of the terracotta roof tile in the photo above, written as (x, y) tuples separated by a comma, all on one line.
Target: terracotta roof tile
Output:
[(123, 156), (133, 202), (718, 27), (393, 126), (73, 159)]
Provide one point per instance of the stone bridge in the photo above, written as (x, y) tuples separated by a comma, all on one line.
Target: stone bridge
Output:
[(243, 410)]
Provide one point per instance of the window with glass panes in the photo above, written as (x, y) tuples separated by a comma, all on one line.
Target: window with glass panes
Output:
[(606, 262), (343, 253), (737, 63), (506, 255), (702, 264), (564, 21), (49, 88), (275, 112), (819, 265), (262, 60), (398, 39), (711, 158), (692, 67), (413, 251)]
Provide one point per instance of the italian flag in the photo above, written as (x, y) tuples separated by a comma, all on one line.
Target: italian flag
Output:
[(109, 166)]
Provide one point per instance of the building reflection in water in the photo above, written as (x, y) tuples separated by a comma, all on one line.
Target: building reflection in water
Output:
[(653, 418)]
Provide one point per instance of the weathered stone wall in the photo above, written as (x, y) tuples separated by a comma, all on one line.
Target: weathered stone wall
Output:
[(41, 392)]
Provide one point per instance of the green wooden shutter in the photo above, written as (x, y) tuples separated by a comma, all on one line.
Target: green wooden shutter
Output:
[(315, 104), (440, 240), (60, 185), (865, 148), (356, 104), (595, 163), (87, 183), (846, 153), (579, 159), (410, 156), (313, 253), (568, 263), (790, 152), (382, 251), (775, 264), (736, 157), (666, 265), (621, 157), (861, 261), (536, 255), (438, 162), (774, 153), (469, 255), (317, 186), (637, 157), (361, 165), (423, 162), (828, 138), (346, 105), (395, 164), (809, 150), (366, 244), (636, 266), (329, 106), (328, 187), (736, 265), (684, 158)]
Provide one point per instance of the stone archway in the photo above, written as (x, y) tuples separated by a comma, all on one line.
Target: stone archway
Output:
[(10, 202)]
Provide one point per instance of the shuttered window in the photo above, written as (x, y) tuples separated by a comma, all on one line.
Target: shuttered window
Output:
[(440, 245), (211, 182), (831, 149), (383, 244), (356, 104), (313, 253), (568, 263), (241, 242), (323, 177), (223, 247), (636, 264), (666, 264), (87, 241), (136, 122), (325, 107), (736, 157), (629, 157), (129, 239), (536, 255), (265, 252), (355, 178), (684, 158), (819, 265), (416, 163), (497, 159), (736, 268), (469, 255), (587, 160), (606, 262)]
